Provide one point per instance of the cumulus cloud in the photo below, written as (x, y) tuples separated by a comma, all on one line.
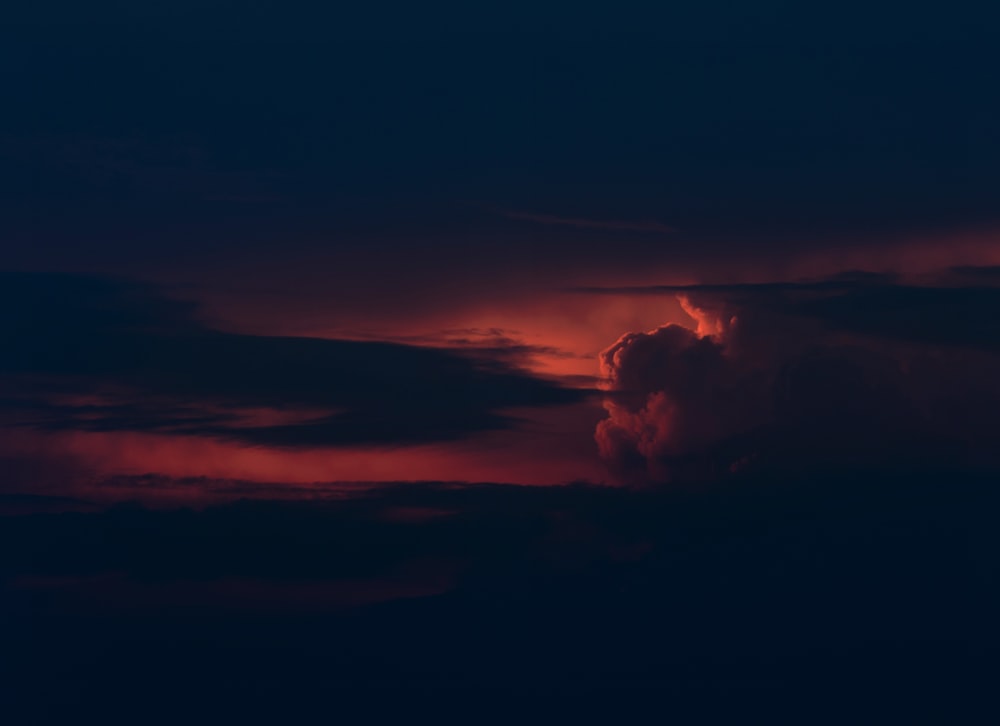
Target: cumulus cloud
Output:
[(844, 371), (673, 393)]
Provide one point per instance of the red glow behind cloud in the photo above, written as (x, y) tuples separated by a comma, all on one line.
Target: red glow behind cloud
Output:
[(563, 334), (575, 328), (551, 447)]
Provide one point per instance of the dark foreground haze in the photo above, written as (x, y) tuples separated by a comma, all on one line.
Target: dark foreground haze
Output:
[(885, 586)]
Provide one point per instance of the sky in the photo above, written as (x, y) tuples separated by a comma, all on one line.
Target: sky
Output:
[(471, 187), (265, 256)]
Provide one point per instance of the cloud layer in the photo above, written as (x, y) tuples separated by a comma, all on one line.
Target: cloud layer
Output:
[(101, 355)]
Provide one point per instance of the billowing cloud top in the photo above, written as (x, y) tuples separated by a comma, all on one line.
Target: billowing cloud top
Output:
[(851, 370)]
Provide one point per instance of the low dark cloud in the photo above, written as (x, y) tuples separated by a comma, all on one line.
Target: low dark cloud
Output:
[(981, 272), (772, 581), (856, 369), (105, 355), (965, 317)]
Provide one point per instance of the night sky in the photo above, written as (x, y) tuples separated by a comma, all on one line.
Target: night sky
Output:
[(462, 348)]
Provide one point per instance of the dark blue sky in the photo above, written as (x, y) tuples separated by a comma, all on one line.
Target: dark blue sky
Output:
[(223, 128)]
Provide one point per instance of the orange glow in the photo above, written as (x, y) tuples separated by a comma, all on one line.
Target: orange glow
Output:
[(533, 307), (555, 333), (553, 448), (575, 328)]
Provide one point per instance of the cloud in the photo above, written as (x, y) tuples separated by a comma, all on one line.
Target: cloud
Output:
[(965, 317), (877, 304), (95, 354), (674, 393), (485, 344), (851, 370)]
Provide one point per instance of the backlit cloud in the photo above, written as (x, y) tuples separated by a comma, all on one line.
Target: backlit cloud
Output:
[(850, 370)]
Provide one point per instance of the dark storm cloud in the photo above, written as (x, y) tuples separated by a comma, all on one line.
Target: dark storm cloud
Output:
[(854, 369), (673, 394), (963, 317), (143, 362)]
